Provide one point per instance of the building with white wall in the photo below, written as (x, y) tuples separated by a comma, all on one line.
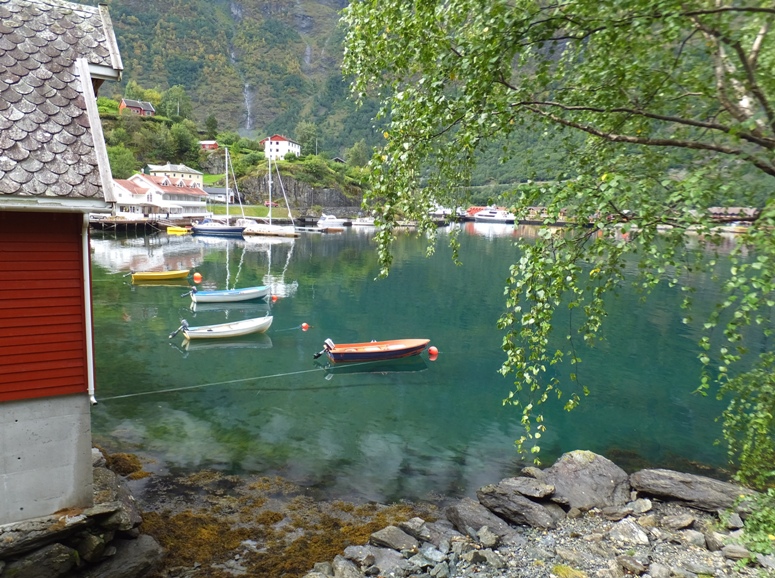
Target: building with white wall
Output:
[(277, 146)]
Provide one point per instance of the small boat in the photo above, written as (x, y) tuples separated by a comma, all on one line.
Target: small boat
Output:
[(175, 230), (229, 295), (363, 222), (215, 228), (254, 228), (159, 275), (222, 226), (372, 350), (329, 221), (220, 330), (494, 215)]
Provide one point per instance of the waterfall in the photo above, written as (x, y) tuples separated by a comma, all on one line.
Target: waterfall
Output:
[(248, 106)]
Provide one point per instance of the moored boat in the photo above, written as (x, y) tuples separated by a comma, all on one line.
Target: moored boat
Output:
[(159, 275), (327, 221), (494, 215), (176, 230), (215, 228), (220, 330), (373, 350), (229, 295)]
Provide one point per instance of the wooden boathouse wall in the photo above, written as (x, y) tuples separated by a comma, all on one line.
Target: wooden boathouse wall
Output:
[(42, 311)]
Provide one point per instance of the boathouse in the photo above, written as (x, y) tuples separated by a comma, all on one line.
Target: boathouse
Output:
[(54, 172)]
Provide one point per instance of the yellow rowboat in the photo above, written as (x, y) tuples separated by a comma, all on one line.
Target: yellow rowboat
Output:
[(159, 275), (175, 230)]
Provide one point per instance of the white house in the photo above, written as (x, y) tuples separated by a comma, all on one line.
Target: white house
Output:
[(277, 146), (175, 171), (158, 197)]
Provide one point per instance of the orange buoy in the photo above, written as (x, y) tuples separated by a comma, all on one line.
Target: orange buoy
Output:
[(274, 298), (304, 326), (197, 277), (433, 351)]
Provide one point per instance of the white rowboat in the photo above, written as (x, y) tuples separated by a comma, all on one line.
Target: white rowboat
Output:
[(229, 295), (232, 329)]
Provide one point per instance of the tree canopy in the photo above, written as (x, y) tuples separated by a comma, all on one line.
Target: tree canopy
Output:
[(663, 110)]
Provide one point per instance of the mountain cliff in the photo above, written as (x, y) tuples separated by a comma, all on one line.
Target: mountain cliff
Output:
[(259, 66)]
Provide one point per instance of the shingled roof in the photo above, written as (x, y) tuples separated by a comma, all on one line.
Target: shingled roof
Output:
[(53, 57)]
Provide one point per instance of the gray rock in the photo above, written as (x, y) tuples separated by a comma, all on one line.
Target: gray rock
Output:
[(641, 505), (49, 562), (386, 560), (91, 547), (678, 522), (325, 568), (487, 538), (616, 513), (468, 513), (515, 507), (714, 541), (699, 568), (735, 552), (133, 558), (586, 480), (628, 533), (417, 528), (657, 570), (692, 538), (734, 522), (440, 570), (767, 561), (395, 538), (631, 565), (697, 491), (529, 487), (344, 568)]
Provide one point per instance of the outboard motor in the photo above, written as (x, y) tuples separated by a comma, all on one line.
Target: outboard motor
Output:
[(329, 344)]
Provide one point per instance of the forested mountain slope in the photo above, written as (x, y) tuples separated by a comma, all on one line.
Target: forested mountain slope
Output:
[(260, 66)]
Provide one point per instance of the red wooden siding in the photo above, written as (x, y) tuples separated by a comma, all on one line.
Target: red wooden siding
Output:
[(42, 315)]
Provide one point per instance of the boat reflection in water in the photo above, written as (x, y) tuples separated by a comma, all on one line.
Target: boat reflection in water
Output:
[(254, 341), (248, 309), (385, 366)]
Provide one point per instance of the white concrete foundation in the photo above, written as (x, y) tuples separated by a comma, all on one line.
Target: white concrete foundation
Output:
[(45, 456)]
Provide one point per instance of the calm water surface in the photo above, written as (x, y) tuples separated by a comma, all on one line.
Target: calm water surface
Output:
[(262, 405)]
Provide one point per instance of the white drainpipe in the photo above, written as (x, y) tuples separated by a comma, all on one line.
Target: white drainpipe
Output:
[(85, 250)]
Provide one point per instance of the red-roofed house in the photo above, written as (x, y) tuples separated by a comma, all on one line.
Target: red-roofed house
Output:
[(158, 197), (140, 107), (277, 146)]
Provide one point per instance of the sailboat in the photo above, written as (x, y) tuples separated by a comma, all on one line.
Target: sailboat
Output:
[(229, 295), (270, 229), (215, 227)]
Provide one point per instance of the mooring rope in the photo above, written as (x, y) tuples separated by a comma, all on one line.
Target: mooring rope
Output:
[(228, 382)]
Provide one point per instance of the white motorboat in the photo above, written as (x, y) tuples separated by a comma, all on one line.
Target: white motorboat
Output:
[(327, 221), (494, 215)]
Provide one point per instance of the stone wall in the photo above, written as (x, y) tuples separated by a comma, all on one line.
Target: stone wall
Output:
[(99, 541)]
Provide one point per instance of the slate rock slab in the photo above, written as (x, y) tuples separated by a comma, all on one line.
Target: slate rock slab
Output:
[(696, 491)]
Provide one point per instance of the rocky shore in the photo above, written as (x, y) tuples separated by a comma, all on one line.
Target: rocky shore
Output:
[(582, 517)]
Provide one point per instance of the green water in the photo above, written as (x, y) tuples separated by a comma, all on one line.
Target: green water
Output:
[(262, 405)]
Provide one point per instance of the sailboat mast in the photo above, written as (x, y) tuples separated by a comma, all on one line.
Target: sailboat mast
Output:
[(226, 168), (269, 172)]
